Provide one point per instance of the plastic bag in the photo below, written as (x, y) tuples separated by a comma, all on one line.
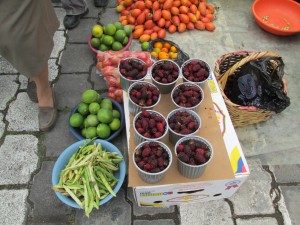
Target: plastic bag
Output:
[(107, 65), (182, 56), (259, 84)]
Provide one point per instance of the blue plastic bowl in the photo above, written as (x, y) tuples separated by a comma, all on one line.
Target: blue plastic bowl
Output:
[(63, 159), (77, 132)]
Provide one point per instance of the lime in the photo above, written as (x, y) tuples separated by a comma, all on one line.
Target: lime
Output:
[(95, 42), (128, 29), (120, 35), (89, 96), (116, 114), (91, 132), (125, 41), (83, 108), (83, 132), (105, 115), (110, 29), (91, 121), (106, 104), (97, 30), (76, 120), (103, 130), (107, 40), (94, 107), (115, 124), (145, 46), (119, 25), (117, 46), (103, 47)]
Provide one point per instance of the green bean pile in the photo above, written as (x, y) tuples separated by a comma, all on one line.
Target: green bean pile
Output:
[(88, 177)]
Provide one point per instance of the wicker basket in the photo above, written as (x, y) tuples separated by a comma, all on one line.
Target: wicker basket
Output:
[(230, 64)]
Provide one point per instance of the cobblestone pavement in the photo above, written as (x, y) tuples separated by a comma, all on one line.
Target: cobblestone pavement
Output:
[(270, 195)]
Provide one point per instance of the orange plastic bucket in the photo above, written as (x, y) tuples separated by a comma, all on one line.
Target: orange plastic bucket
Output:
[(280, 17)]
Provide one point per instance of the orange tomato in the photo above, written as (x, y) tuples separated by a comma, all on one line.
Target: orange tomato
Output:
[(210, 9), (148, 31), (137, 33), (193, 8), (161, 22), (163, 55), (205, 20), (183, 9), (141, 18), (167, 45), (161, 33), (172, 28), (174, 11), (190, 26), (202, 8), (157, 15), (158, 44), (156, 28), (148, 4), (135, 12), (166, 14), (168, 4), (181, 27), (131, 19), (155, 6), (199, 25), (149, 24), (144, 37), (140, 5), (164, 50), (120, 8), (210, 26), (176, 3), (153, 35), (211, 17), (192, 17), (127, 2), (184, 18)]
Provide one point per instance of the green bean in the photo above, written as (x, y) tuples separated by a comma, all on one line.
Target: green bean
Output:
[(73, 196), (106, 184)]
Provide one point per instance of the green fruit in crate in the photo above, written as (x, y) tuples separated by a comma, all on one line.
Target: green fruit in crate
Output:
[(145, 46), (91, 121), (128, 29), (103, 130), (83, 108), (95, 42), (97, 31), (94, 107), (91, 132), (76, 120), (103, 47), (110, 29), (119, 25), (117, 46), (106, 103), (90, 96), (115, 124), (107, 40), (125, 41), (83, 132), (105, 115), (116, 114), (120, 35)]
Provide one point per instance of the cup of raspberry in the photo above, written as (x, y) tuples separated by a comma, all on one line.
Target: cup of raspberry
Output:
[(149, 125), (164, 74), (142, 95), (131, 70), (182, 123), (152, 159), (193, 154), (196, 71), (187, 95)]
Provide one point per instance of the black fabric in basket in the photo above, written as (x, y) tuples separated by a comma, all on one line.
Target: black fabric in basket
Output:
[(182, 56), (259, 83)]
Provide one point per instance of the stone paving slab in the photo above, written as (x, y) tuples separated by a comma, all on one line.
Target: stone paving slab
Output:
[(254, 196), (6, 67), (69, 89), (76, 59), (8, 87), (19, 158), (59, 40), (22, 114), (13, 206), (257, 221), (2, 125), (60, 137), (292, 200), (206, 213), (40, 223), (286, 173), (150, 222), (141, 211), (116, 211), (82, 34), (45, 203)]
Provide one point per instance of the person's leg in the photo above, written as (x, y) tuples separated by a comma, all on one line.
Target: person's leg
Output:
[(75, 9), (43, 89), (46, 101)]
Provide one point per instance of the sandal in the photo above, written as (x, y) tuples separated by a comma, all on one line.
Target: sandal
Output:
[(48, 115), (31, 91)]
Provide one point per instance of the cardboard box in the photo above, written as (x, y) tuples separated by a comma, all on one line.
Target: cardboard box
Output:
[(223, 176)]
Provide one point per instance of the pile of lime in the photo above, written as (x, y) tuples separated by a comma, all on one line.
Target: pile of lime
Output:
[(95, 117), (112, 36)]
